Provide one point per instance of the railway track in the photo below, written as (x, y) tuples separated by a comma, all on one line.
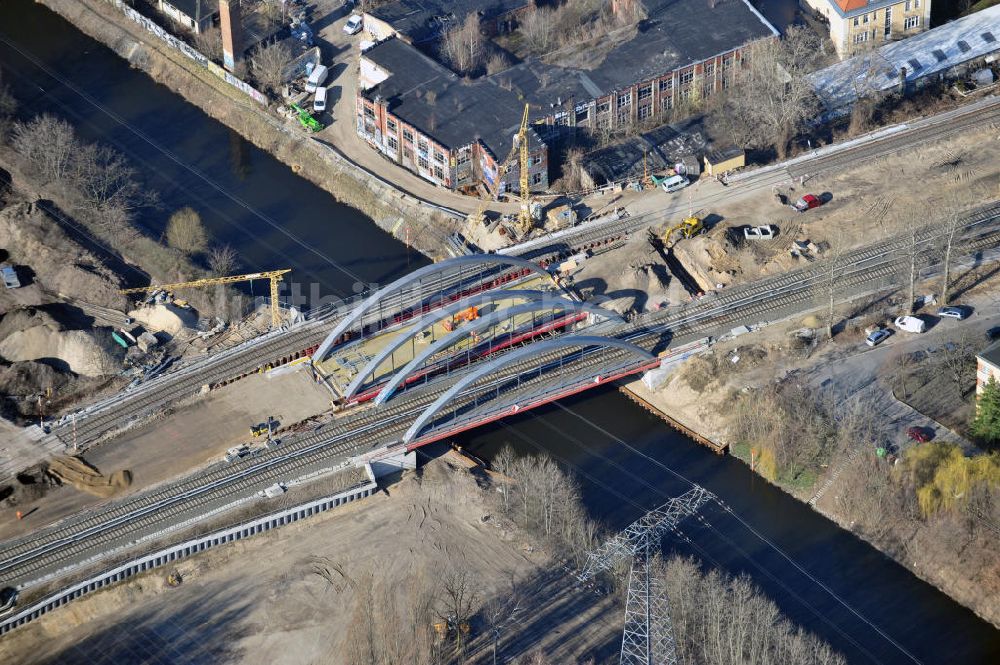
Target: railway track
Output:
[(370, 428)]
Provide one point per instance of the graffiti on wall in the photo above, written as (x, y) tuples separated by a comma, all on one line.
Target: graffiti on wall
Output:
[(177, 44)]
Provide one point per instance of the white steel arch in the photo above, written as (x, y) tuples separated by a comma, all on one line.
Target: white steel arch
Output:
[(581, 341), (368, 303), (556, 304), (431, 319)]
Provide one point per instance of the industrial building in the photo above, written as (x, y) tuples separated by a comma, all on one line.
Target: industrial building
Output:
[(425, 21), (945, 52), (455, 132)]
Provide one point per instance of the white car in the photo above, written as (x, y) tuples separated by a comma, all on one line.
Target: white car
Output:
[(354, 24), (765, 232), (319, 101)]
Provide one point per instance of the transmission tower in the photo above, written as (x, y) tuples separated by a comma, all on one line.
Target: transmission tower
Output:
[(648, 638)]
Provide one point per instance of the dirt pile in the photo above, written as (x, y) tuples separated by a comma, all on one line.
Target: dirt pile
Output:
[(57, 262), (86, 478), (31, 334), (166, 318)]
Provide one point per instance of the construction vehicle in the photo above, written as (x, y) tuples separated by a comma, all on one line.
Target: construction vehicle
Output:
[(470, 314), (519, 151), (689, 228), (274, 276), (308, 122)]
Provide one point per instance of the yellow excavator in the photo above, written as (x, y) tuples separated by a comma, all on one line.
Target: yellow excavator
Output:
[(689, 228)]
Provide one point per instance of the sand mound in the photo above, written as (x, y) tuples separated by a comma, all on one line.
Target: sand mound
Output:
[(76, 472), (59, 263), (164, 318), (81, 352)]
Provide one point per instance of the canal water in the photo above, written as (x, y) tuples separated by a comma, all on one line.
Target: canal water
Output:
[(823, 578)]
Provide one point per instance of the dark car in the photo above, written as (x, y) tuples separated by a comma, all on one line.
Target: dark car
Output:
[(993, 334), (877, 336), (807, 202), (920, 434), (953, 312)]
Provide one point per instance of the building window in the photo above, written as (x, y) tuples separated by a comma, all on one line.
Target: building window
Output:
[(463, 158), (906, 6), (911, 22), (645, 92), (536, 178), (687, 77), (645, 111), (390, 125), (727, 61), (916, 4), (438, 173), (582, 114), (439, 157), (369, 112), (861, 37), (424, 164), (856, 21), (709, 69), (604, 108), (407, 154), (624, 98), (668, 103), (408, 135), (888, 21), (623, 117), (685, 94), (422, 148), (393, 144), (666, 84)]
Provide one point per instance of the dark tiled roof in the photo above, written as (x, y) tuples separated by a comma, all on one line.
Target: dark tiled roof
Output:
[(425, 20), (992, 354)]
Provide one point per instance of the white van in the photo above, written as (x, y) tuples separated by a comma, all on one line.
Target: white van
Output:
[(674, 183), (316, 78), (910, 324), (319, 101)]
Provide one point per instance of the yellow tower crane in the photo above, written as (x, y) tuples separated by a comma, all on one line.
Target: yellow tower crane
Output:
[(273, 275), (520, 152)]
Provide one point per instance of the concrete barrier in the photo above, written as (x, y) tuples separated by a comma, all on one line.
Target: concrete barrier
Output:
[(188, 548)]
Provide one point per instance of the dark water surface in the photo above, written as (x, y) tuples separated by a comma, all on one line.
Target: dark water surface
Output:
[(825, 579)]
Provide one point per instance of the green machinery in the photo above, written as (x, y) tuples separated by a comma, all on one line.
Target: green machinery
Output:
[(308, 122)]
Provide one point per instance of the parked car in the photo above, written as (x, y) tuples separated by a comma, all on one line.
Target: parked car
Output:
[(910, 324), (993, 334), (920, 434), (953, 312), (354, 24), (807, 202), (765, 232), (876, 337), (319, 101)]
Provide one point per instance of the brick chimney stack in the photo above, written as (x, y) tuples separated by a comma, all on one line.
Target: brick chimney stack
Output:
[(231, 24)]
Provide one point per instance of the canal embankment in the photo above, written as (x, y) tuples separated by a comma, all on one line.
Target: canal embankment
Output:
[(426, 224)]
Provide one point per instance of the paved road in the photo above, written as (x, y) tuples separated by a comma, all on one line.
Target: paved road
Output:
[(89, 537)]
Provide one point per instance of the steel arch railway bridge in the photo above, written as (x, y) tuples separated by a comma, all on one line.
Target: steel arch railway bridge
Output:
[(503, 338)]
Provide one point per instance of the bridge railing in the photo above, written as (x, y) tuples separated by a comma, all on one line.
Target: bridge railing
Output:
[(188, 548)]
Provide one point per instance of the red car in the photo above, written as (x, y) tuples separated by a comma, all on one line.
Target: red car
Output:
[(807, 202), (918, 434)]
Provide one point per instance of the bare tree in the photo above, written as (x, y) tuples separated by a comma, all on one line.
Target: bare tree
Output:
[(770, 96), (501, 611), (8, 106), (497, 63), (222, 260), (831, 288), (48, 144), (209, 43), (464, 47), (186, 232), (912, 250), (268, 65), (460, 596), (537, 29), (109, 186), (952, 226)]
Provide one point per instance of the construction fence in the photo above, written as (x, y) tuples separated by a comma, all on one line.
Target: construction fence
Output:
[(190, 52), (189, 548)]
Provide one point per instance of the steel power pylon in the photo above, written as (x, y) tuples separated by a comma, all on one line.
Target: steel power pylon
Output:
[(648, 638)]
